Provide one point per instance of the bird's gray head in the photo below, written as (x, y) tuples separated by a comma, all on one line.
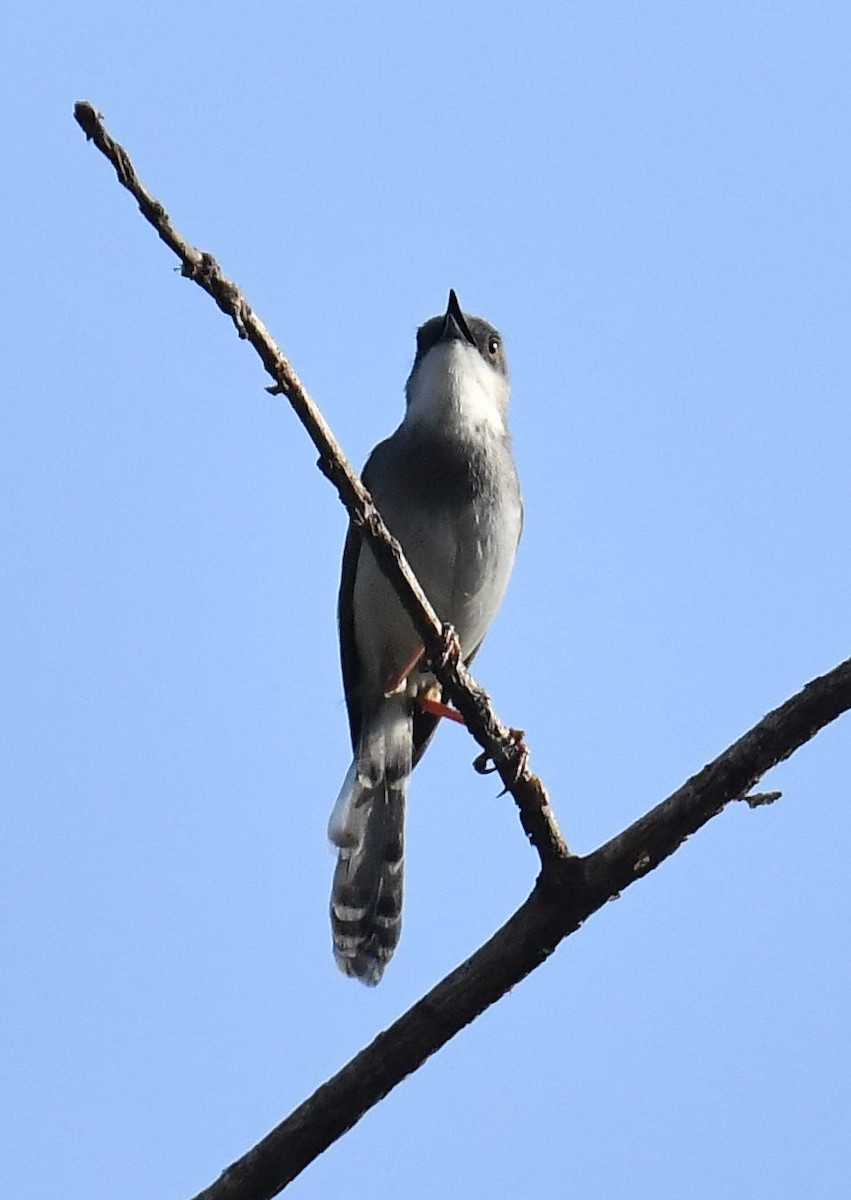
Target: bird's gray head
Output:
[(459, 378)]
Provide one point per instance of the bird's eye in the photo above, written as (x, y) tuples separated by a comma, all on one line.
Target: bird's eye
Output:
[(493, 345)]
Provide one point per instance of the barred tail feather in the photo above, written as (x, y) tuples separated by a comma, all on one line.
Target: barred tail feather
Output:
[(366, 897), (368, 827)]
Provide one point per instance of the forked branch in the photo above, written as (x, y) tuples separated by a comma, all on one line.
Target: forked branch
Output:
[(569, 888)]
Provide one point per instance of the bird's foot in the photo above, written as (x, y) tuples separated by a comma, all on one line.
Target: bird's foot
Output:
[(485, 765), (450, 648)]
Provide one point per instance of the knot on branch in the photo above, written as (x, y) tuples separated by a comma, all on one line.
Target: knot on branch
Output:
[(202, 268)]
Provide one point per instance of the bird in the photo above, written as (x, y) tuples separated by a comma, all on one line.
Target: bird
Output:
[(446, 484)]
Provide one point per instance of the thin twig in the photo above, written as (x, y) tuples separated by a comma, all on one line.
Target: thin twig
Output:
[(760, 799), (508, 753)]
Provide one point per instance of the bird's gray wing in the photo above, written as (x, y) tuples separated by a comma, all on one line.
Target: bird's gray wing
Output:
[(424, 724), (349, 658)]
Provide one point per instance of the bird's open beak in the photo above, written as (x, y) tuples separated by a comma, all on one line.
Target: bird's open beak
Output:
[(454, 323)]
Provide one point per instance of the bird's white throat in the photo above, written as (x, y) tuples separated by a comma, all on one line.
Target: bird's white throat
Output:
[(453, 385)]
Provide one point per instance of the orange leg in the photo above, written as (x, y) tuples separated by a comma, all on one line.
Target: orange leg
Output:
[(397, 682), (438, 709)]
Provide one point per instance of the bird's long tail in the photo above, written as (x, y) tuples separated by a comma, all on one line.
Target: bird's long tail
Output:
[(368, 827)]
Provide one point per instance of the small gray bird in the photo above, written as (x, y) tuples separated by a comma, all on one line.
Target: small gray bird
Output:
[(446, 484)]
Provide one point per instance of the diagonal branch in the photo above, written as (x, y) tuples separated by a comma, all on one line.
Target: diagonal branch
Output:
[(569, 889), (499, 743)]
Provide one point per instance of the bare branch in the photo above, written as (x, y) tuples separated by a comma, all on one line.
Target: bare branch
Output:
[(498, 741), (569, 888), (568, 891)]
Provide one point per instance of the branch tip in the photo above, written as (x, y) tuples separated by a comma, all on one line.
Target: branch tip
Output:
[(760, 799), (87, 117)]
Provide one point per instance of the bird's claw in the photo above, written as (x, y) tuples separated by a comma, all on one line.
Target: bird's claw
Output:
[(450, 649), (480, 763)]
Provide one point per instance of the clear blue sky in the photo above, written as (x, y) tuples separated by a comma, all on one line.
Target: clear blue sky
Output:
[(652, 202)]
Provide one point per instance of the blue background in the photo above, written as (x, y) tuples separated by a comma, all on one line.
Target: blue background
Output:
[(652, 202)]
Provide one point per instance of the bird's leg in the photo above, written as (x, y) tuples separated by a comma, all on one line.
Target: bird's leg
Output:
[(399, 680), (429, 698), (438, 709)]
